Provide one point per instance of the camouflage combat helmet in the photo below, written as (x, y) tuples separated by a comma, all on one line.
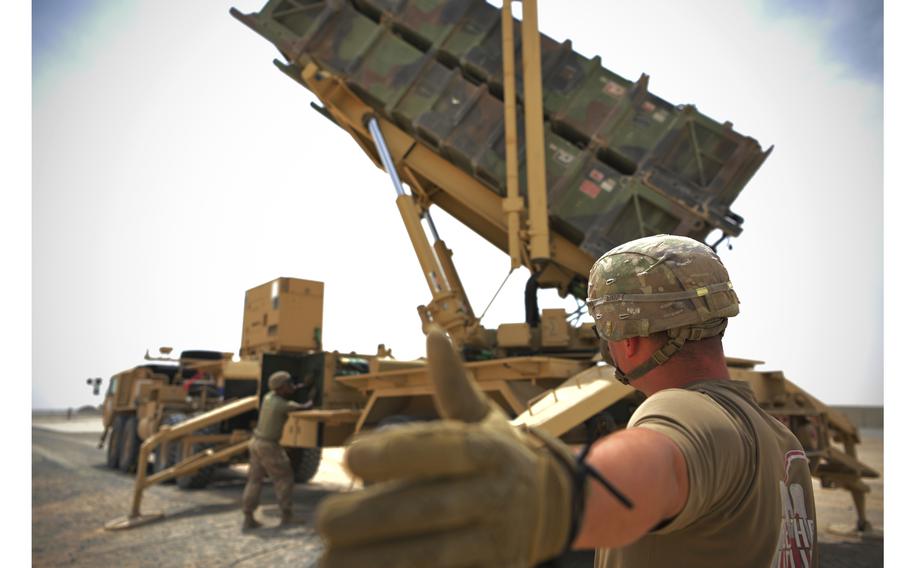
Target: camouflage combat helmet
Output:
[(278, 379), (660, 283)]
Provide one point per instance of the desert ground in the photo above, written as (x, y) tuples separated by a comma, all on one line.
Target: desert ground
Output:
[(74, 494)]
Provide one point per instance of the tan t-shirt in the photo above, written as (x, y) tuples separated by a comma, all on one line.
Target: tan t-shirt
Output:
[(273, 415), (750, 490)]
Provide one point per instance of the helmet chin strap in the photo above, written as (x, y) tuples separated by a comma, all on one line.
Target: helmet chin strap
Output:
[(678, 337), (659, 357)]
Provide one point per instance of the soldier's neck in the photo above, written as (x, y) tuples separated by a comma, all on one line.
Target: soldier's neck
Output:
[(680, 372)]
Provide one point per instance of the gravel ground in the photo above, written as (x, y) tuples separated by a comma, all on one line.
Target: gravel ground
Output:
[(835, 512), (74, 495)]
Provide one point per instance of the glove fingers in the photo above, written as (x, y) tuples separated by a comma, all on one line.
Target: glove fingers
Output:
[(463, 548), (407, 510), (456, 395), (423, 450)]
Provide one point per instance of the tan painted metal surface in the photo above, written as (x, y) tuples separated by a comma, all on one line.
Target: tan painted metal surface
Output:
[(284, 314), (535, 162), (580, 397), (511, 368), (512, 205), (190, 464), (461, 195)]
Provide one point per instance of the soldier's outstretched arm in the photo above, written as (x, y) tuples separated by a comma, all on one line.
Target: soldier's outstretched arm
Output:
[(294, 405), (650, 470), (471, 490)]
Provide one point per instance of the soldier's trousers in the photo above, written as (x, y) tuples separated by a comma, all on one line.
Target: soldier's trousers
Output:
[(268, 457)]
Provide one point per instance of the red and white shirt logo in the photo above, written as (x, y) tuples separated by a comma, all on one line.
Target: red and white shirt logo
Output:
[(797, 529)]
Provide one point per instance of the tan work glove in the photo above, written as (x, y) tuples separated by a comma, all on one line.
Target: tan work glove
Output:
[(469, 490)]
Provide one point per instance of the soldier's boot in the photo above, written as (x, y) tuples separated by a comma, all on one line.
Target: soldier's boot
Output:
[(288, 519), (250, 522)]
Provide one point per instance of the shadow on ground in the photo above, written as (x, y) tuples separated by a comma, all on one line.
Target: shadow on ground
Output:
[(851, 554)]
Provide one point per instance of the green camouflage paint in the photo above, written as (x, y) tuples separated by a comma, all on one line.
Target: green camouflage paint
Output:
[(622, 163)]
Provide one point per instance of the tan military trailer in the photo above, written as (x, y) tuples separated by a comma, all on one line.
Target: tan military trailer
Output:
[(428, 90), (547, 376), (431, 92)]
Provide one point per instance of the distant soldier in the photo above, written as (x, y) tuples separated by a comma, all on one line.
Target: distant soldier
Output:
[(267, 456), (712, 479)]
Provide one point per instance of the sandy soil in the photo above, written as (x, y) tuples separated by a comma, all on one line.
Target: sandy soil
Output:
[(74, 494)]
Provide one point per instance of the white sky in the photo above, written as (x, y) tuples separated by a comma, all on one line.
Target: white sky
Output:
[(174, 167)]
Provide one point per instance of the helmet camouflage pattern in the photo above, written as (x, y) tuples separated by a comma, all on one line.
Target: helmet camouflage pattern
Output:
[(661, 283), (279, 379)]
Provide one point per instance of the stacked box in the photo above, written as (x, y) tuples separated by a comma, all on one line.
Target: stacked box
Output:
[(284, 315), (621, 162)]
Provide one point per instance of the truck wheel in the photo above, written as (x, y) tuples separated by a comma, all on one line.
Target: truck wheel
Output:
[(304, 462), (164, 461), (129, 445), (200, 478), (114, 442)]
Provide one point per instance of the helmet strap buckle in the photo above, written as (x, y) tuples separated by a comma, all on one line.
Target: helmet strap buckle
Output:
[(657, 358)]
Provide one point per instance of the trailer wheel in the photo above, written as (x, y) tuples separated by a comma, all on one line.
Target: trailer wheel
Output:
[(202, 477), (197, 480), (114, 442), (599, 425), (129, 444), (162, 462), (304, 462), (166, 460), (397, 420), (615, 417)]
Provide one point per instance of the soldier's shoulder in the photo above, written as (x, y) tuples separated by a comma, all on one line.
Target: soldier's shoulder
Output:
[(682, 405)]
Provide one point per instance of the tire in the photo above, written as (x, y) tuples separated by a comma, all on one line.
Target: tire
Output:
[(201, 478), (600, 425), (201, 354), (164, 461), (397, 420), (129, 444), (304, 462), (198, 480), (114, 442)]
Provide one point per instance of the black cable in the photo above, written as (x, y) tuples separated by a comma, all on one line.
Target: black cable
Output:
[(532, 311), (579, 475)]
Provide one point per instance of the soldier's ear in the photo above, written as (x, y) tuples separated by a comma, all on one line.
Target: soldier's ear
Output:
[(631, 346)]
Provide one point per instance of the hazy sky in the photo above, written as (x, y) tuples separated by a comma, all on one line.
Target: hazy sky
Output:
[(174, 167)]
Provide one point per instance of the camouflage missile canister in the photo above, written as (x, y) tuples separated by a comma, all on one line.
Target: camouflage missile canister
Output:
[(622, 163)]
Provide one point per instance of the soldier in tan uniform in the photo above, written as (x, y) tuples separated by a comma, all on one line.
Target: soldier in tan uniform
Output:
[(700, 477), (266, 454)]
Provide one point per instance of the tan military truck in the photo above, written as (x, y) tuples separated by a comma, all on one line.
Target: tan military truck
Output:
[(186, 437), (125, 392), (207, 386), (282, 319), (166, 391)]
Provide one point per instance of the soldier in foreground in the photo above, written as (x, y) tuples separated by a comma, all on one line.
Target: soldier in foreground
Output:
[(267, 456), (712, 479)]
